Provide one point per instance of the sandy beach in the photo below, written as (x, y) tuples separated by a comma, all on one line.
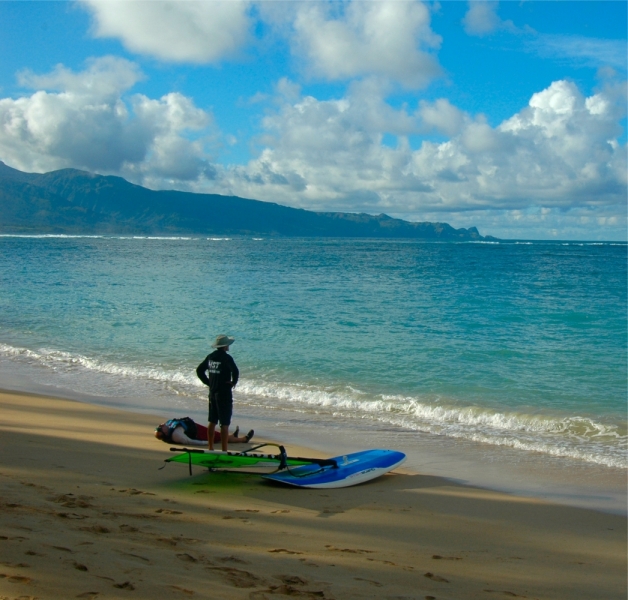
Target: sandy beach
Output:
[(86, 513)]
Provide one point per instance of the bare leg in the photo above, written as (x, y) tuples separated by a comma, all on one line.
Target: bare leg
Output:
[(211, 427), (224, 436), (237, 439)]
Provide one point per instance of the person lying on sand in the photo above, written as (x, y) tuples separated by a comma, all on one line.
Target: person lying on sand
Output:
[(185, 431)]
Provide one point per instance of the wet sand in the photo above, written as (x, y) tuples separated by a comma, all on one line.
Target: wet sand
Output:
[(85, 512)]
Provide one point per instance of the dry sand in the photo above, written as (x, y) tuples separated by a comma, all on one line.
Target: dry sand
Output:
[(85, 513)]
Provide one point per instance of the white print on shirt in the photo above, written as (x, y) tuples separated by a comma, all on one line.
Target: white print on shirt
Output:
[(213, 367)]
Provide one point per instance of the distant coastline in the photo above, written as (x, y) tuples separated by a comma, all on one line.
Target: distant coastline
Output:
[(70, 201)]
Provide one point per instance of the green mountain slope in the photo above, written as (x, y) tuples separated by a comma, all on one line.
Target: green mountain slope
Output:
[(71, 201)]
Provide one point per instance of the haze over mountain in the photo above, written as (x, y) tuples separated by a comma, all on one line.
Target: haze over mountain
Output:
[(71, 201)]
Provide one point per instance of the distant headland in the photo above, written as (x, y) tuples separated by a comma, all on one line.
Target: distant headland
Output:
[(70, 201)]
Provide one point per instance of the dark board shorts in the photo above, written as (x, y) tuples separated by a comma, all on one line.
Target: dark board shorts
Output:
[(221, 408)]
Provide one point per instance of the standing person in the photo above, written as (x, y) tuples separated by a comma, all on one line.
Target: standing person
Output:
[(220, 373)]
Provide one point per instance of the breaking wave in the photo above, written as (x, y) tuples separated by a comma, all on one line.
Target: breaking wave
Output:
[(570, 436)]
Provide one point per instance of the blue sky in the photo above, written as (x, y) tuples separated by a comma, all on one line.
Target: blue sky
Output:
[(507, 116)]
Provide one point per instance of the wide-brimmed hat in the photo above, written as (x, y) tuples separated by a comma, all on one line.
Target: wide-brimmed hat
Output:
[(223, 340)]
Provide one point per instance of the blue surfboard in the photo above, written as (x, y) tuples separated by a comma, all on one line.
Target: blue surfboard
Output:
[(351, 469)]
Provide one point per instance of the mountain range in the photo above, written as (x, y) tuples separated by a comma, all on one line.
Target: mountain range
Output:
[(70, 201)]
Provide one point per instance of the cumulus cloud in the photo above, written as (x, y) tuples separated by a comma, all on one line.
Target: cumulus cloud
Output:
[(559, 153), (387, 39), (334, 40), (196, 32), (442, 116), (83, 120), (559, 157)]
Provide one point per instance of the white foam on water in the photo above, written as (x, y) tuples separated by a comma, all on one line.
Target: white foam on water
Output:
[(101, 237), (61, 360), (574, 436), (49, 235)]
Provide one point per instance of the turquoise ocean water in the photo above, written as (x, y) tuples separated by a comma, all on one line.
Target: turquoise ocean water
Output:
[(514, 351)]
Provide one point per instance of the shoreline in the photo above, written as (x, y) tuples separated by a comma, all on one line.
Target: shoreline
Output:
[(86, 513), (522, 473)]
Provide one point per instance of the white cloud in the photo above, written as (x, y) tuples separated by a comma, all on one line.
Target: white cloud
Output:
[(590, 51), (481, 18), (171, 30), (104, 77), (388, 39), (442, 116), (560, 153), (86, 123), (335, 40)]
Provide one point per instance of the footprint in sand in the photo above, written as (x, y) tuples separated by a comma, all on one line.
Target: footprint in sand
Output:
[(275, 512), (127, 585), (438, 557), (96, 529), (34, 485), (66, 515), (180, 589), (371, 581), (436, 578), (133, 492), (80, 567), (169, 541), (187, 557), (17, 538), (505, 592), (15, 578), (288, 590), (147, 560), (88, 595), (239, 578), (386, 562), (284, 551), (349, 550), (72, 501), (166, 511), (233, 559), (308, 564), (292, 579)]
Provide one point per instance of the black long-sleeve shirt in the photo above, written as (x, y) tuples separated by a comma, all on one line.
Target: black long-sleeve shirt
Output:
[(218, 371)]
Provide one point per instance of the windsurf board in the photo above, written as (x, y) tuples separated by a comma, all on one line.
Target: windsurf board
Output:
[(351, 469)]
